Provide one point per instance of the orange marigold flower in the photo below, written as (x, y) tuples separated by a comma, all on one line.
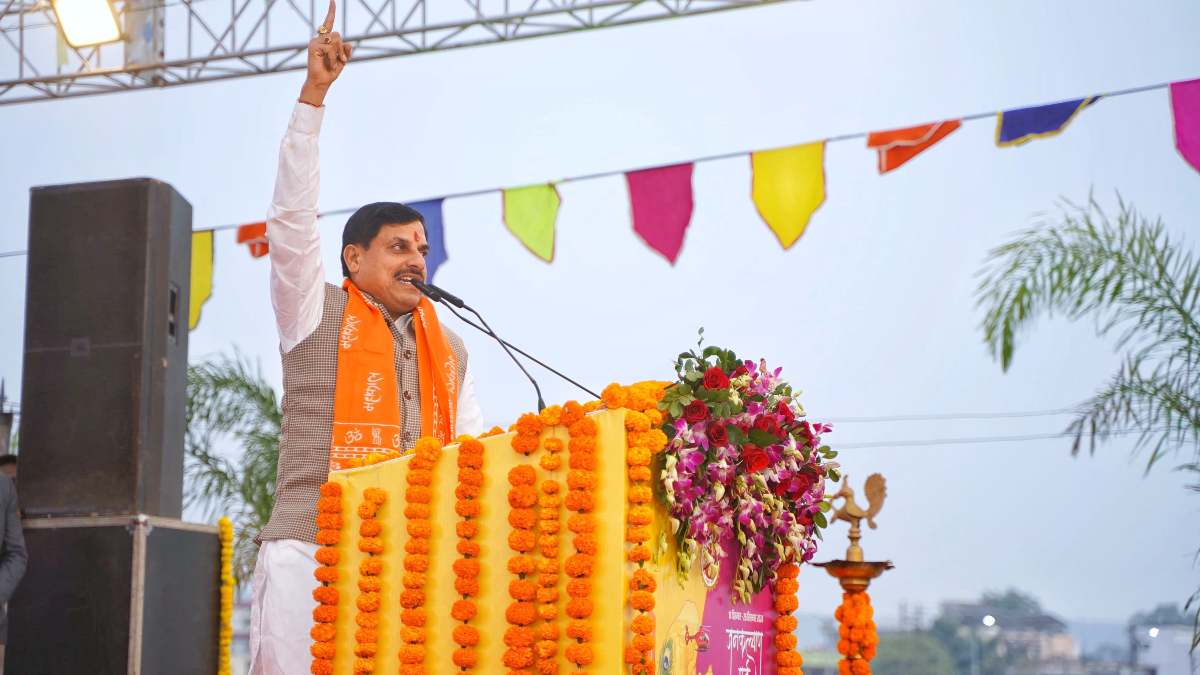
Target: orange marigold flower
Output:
[(326, 575), (368, 620), (417, 546), (414, 580), (370, 567), (521, 540), (789, 670), (785, 624), (548, 544), (414, 617), (411, 598), (788, 571), (785, 641), (329, 505), (637, 456), (639, 553), (549, 594), (592, 406), (581, 523), (579, 654), (413, 669), (641, 601), (521, 564), (579, 630), (788, 659), (471, 445), (329, 521), (786, 586), (370, 545), (468, 548), (466, 587), (465, 658), (370, 584), (585, 543), (375, 495), (466, 636), (518, 658), (325, 614), (637, 534), (656, 417), (579, 565), (467, 491), (520, 613), (639, 474), (323, 632), (579, 500), (786, 604), (412, 654), (582, 445), (419, 477), (572, 412), (463, 610), (525, 444), (640, 494), (529, 424), (420, 529), (367, 510), (470, 460), (518, 637), (521, 589), (468, 569), (367, 602), (547, 612), (548, 566), (522, 497), (579, 588), (331, 490), (551, 416), (370, 528), (416, 563), (550, 462), (366, 635), (549, 523), (417, 511), (640, 515), (585, 426), (467, 530), (549, 502), (636, 421), (545, 649), (522, 519), (614, 396), (470, 476), (522, 474), (366, 650), (580, 608), (642, 581), (322, 650), (326, 595), (552, 444), (547, 631), (642, 624), (548, 580), (582, 460), (321, 667), (418, 494), (643, 643), (328, 537), (581, 480)]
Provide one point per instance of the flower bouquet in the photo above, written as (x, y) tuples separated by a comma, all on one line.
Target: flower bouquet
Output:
[(741, 458)]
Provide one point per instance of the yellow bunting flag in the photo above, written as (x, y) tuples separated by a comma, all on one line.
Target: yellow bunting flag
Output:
[(202, 274), (530, 213), (788, 187)]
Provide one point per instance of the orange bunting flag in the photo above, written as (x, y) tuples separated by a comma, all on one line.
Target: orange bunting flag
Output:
[(254, 235), (788, 186), (897, 146)]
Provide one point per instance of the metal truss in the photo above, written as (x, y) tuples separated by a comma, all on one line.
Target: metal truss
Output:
[(172, 42)]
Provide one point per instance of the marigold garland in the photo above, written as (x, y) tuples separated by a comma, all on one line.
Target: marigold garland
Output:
[(549, 525), (368, 600), (580, 498), (466, 568), (787, 660), (329, 524), (519, 657), (640, 418), (857, 632), (417, 498), (225, 633)]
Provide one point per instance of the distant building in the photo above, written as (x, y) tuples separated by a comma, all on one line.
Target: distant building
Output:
[(1040, 639), (1165, 649)]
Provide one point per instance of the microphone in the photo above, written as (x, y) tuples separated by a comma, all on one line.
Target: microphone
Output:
[(450, 300), (438, 295)]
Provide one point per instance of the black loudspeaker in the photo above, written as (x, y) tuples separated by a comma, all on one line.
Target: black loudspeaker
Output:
[(114, 595), (106, 310)]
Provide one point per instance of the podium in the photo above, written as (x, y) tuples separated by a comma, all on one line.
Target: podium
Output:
[(697, 628)]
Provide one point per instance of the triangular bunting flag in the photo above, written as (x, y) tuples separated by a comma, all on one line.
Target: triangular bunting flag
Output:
[(1185, 108), (431, 211), (1015, 127), (661, 202), (254, 235), (530, 213), (897, 146), (202, 275), (788, 186)]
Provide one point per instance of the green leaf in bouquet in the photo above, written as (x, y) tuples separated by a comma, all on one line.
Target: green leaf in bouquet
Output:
[(736, 437), (676, 409), (819, 519), (761, 438), (825, 506)]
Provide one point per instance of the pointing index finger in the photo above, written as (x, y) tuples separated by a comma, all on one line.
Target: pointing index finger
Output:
[(330, 15)]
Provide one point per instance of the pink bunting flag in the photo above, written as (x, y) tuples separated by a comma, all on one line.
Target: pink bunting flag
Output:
[(1185, 108), (661, 201)]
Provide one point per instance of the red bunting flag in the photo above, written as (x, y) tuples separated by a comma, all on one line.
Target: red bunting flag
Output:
[(897, 146), (1185, 109), (661, 202), (254, 235)]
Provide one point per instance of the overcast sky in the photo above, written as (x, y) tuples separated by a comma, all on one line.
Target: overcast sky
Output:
[(870, 313)]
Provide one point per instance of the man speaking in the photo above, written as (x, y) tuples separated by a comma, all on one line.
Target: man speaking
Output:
[(367, 366)]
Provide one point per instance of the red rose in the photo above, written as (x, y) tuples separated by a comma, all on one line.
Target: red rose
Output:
[(755, 457), (782, 408), (718, 434), (696, 411), (715, 378), (739, 371), (768, 425)]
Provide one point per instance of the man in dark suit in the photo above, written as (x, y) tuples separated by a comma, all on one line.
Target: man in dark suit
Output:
[(12, 553)]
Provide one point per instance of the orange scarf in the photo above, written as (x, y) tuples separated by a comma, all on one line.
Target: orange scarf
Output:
[(366, 402)]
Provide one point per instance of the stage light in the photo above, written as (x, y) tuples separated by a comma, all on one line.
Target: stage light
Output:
[(1153, 632), (989, 621), (85, 23)]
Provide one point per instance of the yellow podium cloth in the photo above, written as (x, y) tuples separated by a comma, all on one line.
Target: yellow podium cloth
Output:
[(679, 608)]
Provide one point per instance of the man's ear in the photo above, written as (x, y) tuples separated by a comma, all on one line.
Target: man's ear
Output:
[(352, 256)]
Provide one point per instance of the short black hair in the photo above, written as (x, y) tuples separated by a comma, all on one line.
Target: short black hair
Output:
[(5, 460), (366, 221)]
